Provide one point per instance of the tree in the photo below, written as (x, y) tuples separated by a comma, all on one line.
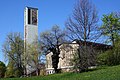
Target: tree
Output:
[(111, 27), (31, 58), (82, 25), (13, 48), (2, 69), (50, 41)]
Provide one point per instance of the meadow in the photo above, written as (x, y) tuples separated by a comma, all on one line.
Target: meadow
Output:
[(104, 73)]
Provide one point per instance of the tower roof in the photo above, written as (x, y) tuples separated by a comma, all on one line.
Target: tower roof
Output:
[(31, 8)]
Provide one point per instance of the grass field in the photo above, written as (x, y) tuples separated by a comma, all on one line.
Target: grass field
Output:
[(106, 73)]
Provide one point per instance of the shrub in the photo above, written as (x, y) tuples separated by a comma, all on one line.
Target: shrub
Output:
[(2, 69), (110, 57)]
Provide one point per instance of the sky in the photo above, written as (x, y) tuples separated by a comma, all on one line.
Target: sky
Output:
[(51, 12)]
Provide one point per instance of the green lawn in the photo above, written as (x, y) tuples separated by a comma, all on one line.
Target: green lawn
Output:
[(107, 73)]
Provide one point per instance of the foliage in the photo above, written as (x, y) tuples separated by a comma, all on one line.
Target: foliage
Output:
[(2, 69), (31, 57), (110, 57), (106, 73), (10, 69), (50, 41), (18, 73), (111, 27), (13, 49)]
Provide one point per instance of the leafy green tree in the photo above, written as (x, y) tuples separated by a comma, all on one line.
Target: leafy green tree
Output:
[(2, 69), (13, 48), (111, 27)]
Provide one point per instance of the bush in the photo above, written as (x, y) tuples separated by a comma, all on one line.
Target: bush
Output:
[(9, 74), (2, 69), (18, 73), (110, 57)]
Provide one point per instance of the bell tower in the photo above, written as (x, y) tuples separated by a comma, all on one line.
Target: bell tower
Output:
[(30, 24), (30, 38)]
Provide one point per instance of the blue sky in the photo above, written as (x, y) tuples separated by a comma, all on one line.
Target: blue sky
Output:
[(51, 12)]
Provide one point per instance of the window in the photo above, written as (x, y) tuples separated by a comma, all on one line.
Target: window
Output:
[(32, 16), (29, 16)]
